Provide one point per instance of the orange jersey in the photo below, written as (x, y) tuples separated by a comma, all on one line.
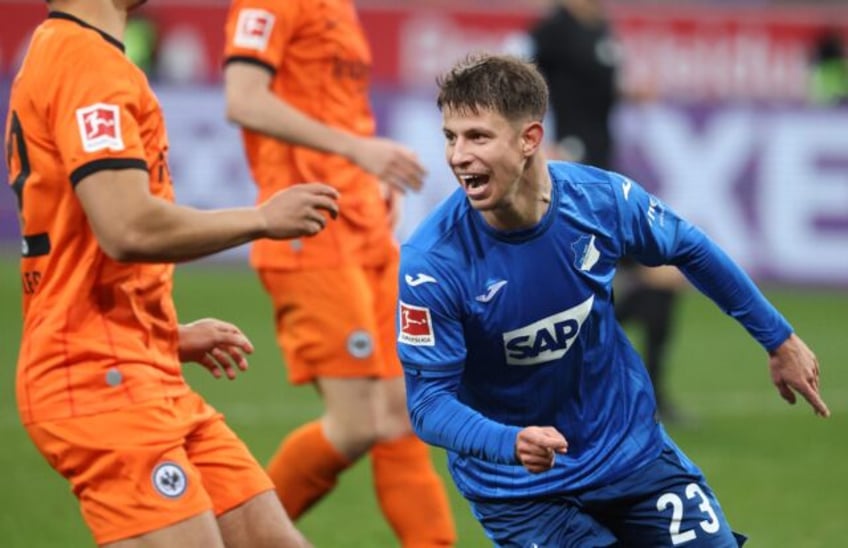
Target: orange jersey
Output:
[(320, 61), (97, 334)]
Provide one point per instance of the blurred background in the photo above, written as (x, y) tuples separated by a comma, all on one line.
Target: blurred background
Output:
[(736, 140), (746, 134)]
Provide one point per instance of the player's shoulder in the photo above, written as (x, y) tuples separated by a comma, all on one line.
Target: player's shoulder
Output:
[(64, 45), (580, 174), (66, 33), (574, 179), (442, 240), (591, 193), (442, 224)]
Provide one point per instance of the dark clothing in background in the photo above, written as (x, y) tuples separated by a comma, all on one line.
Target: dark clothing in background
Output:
[(580, 61), (580, 64)]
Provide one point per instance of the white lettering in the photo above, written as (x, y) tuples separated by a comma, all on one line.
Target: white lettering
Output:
[(547, 339)]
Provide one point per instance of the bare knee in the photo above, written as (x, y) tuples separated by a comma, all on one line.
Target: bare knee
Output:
[(353, 434), (200, 530), (392, 415), (351, 416), (260, 522)]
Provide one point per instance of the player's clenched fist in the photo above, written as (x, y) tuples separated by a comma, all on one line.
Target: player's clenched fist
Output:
[(300, 210), (536, 447)]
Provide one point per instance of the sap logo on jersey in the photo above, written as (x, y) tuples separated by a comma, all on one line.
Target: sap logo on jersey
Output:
[(547, 339)]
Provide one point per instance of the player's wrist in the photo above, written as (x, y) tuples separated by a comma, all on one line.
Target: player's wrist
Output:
[(258, 225), (346, 145)]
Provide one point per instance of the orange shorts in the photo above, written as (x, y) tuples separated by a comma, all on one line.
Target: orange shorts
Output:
[(336, 323), (150, 465)]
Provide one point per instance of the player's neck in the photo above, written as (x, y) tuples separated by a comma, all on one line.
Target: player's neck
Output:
[(531, 201), (100, 14)]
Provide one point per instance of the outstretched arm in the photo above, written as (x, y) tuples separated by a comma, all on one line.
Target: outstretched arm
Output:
[(131, 224), (655, 235), (252, 104), (793, 365)]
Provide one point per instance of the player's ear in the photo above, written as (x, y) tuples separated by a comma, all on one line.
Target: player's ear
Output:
[(531, 138)]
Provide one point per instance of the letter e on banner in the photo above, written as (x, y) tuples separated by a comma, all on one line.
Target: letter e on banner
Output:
[(416, 328)]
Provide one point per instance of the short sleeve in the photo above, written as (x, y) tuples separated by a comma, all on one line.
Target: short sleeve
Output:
[(96, 114), (258, 31)]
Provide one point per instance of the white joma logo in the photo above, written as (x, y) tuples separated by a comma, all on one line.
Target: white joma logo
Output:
[(625, 187), (419, 279), (491, 292)]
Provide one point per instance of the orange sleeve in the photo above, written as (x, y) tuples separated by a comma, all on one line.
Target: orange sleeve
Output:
[(258, 30), (95, 123)]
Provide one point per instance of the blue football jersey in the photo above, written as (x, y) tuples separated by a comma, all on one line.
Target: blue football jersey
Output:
[(502, 330)]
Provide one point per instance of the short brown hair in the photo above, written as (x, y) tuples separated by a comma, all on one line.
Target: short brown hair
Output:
[(508, 85)]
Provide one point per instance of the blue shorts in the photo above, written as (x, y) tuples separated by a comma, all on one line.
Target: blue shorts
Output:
[(666, 503)]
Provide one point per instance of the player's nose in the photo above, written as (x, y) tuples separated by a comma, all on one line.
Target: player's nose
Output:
[(458, 155)]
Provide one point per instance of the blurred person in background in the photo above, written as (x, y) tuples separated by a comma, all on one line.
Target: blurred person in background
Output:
[(829, 70), (514, 360), (297, 82), (575, 50), (100, 388), (141, 40)]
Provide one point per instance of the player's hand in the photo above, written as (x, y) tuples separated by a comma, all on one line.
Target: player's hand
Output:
[(300, 210), (536, 447), (391, 162), (794, 368), (218, 346)]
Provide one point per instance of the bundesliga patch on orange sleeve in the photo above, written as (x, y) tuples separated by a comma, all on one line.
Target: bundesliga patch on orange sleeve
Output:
[(253, 29), (100, 127), (416, 327)]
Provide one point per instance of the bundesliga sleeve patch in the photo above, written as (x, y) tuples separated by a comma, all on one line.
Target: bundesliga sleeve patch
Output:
[(253, 29), (100, 127), (416, 328)]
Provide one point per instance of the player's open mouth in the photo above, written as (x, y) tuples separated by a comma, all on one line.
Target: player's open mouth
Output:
[(472, 180)]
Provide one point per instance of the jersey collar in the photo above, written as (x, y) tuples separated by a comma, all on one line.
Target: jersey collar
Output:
[(524, 234), (68, 17)]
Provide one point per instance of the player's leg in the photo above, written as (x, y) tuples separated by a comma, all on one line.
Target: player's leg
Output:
[(649, 299), (249, 513), (132, 476), (260, 522), (345, 432), (200, 530), (666, 503), (658, 316), (326, 330), (543, 523), (410, 492)]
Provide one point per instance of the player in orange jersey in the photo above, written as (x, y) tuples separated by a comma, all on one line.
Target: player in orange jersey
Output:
[(99, 383), (297, 75)]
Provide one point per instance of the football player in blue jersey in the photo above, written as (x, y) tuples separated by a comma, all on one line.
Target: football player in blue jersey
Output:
[(513, 358)]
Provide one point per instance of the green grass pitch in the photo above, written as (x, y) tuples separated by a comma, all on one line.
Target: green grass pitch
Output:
[(780, 473)]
